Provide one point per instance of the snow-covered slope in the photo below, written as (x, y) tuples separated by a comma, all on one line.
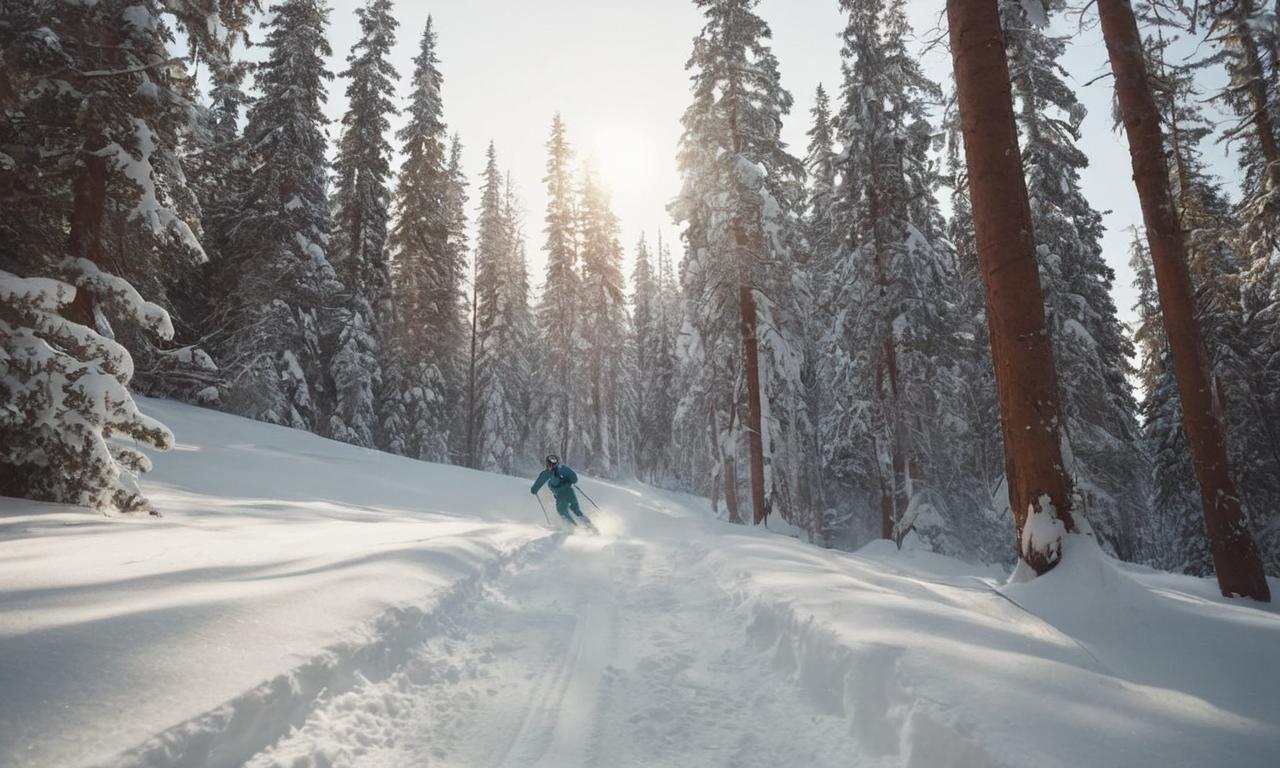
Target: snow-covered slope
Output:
[(274, 546), (304, 603)]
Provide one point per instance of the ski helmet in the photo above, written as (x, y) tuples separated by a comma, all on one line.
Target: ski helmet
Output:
[(553, 459)]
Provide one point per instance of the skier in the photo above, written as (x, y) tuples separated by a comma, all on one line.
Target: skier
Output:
[(560, 479)]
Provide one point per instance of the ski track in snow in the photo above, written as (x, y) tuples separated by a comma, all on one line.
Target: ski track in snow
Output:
[(602, 653)]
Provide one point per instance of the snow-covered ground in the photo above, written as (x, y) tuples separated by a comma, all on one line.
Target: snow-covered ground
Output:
[(305, 603)]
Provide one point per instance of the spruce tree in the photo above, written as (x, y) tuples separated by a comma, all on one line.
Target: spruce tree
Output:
[(658, 399), (500, 412), (558, 309), (891, 430), (1213, 244), (429, 265), (1247, 33), (93, 197), (277, 277), (1039, 488), (737, 211), (645, 308), (360, 230), (602, 306), (821, 239), (1091, 348), (1235, 554)]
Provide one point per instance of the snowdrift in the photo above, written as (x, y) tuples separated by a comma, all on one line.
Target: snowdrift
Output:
[(939, 664), (284, 567)]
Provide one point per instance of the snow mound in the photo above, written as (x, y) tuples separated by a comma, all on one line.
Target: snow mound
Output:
[(937, 663), (284, 567)]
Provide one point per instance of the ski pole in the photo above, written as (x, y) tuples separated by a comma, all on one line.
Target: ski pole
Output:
[(544, 508), (588, 498)]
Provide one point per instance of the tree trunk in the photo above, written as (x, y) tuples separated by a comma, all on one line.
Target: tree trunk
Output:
[(1235, 556), (755, 431), (893, 502), (1021, 352), (473, 419), (1258, 97), (89, 194)]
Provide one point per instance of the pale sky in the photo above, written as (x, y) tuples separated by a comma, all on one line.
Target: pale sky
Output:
[(614, 69)]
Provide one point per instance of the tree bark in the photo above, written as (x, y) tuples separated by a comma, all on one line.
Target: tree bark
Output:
[(1235, 556), (1258, 96), (893, 501), (89, 194), (473, 418), (755, 431), (1021, 352)]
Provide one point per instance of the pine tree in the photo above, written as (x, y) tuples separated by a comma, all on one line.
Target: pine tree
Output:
[(360, 228), (500, 411), (736, 207), (604, 332), (1031, 416), (452, 288), (558, 309), (820, 242), (656, 397), (1090, 346), (277, 276), (645, 308), (1235, 555), (1247, 34), (890, 432), (1213, 238), (93, 195), (429, 265), (978, 524)]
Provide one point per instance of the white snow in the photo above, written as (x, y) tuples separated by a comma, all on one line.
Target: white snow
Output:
[(306, 603), (1037, 14)]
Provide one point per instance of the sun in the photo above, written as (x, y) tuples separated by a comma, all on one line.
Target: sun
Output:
[(621, 155)]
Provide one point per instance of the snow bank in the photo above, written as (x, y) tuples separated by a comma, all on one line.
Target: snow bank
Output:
[(936, 663), (284, 567)]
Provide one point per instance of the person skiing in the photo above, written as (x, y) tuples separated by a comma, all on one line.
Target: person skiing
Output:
[(560, 479)]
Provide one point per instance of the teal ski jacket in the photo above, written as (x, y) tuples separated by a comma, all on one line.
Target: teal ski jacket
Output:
[(560, 482)]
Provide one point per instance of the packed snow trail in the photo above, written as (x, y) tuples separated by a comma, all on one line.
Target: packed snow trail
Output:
[(606, 652)]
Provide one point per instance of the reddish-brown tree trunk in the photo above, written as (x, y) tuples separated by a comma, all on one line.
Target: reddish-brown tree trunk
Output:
[(1026, 381), (1235, 555), (755, 431), (1258, 96), (89, 194), (893, 501)]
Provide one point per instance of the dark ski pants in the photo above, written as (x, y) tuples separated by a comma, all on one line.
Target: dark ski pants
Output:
[(566, 501)]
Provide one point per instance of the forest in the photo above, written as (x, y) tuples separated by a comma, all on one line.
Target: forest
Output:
[(904, 330)]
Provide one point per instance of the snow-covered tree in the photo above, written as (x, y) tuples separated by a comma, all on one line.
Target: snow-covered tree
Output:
[(429, 266), (1236, 356), (358, 250), (740, 191), (655, 319), (602, 305), (501, 414), (645, 306), (889, 356), (276, 275), (559, 306), (1091, 348), (64, 390), (1236, 559), (93, 196)]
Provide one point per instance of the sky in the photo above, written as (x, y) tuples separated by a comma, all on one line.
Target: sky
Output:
[(614, 69)]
